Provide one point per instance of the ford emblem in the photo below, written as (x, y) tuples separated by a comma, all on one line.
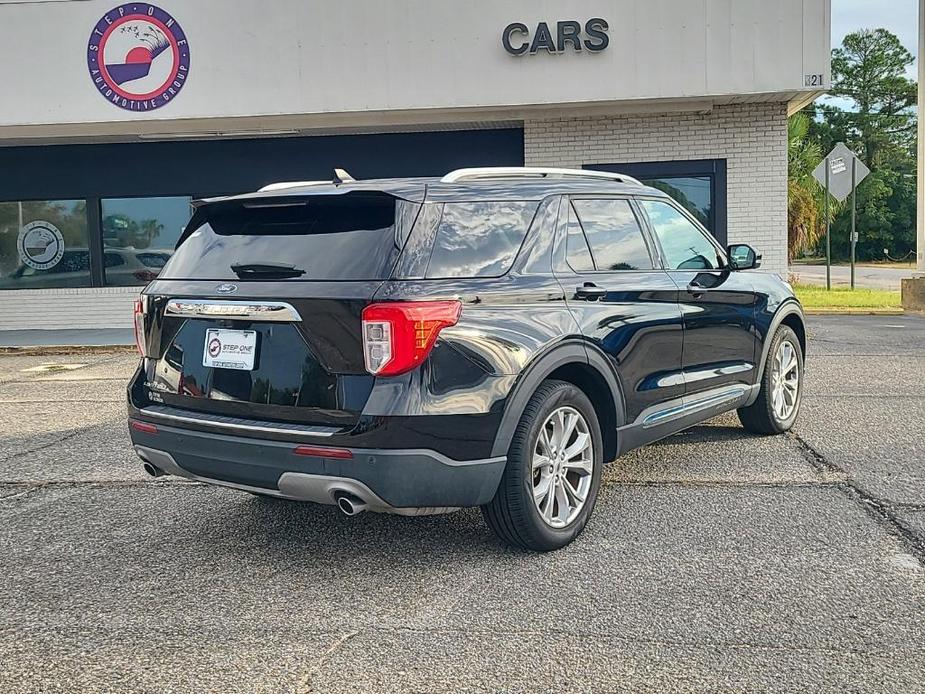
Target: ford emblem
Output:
[(226, 288)]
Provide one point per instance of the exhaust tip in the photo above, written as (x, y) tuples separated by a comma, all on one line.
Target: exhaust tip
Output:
[(349, 504), (151, 470)]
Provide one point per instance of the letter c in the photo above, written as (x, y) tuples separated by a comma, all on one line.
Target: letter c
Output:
[(509, 30)]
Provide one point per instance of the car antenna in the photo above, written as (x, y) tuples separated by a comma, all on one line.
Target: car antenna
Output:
[(341, 176)]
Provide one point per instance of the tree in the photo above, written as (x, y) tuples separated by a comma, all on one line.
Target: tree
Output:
[(869, 69), (803, 200), (874, 114)]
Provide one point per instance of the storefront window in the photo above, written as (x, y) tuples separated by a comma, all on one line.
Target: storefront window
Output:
[(699, 185), (694, 193), (43, 244), (139, 235)]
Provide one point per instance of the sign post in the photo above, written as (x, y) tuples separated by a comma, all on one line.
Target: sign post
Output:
[(854, 214), (840, 173), (828, 231), (920, 169)]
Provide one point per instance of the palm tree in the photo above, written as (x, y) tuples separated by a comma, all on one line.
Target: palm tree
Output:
[(806, 199)]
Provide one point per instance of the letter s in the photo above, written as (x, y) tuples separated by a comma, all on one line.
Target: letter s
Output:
[(597, 28)]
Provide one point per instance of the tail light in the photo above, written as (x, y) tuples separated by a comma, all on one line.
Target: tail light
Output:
[(398, 336), (140, 325)]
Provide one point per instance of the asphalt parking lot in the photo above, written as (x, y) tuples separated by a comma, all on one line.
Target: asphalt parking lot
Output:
[(715, 561)]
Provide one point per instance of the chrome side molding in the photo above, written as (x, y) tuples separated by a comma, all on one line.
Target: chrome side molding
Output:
[(688, 405), (269, 311)]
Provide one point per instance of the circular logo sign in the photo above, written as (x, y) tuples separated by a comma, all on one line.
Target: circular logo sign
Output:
[(138, 57), (215, 347), (40, 245)]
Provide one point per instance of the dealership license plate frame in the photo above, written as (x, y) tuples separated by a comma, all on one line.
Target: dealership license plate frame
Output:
[(237, 349)]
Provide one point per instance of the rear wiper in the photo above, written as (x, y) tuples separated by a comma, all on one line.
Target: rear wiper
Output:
[(247, 270)]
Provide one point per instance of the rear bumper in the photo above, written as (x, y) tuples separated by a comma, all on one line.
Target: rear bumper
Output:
[(390, 480)]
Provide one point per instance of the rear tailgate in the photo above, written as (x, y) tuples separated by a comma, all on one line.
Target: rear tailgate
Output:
[(258, 313)]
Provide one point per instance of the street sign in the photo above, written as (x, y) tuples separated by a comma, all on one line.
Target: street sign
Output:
[(839, 164), (840, 173)]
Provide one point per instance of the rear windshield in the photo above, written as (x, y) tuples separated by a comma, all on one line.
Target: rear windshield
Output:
[(479, 239), (343, 237)]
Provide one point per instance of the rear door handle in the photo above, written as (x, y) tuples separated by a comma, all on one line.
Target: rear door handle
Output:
[(696, 289), (590, 292)]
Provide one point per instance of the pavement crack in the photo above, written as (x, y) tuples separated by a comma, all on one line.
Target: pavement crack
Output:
[(42, 447), (772, 484), (38, 485), (305, 683), (59, 401), (580, 635), (864, 396), (878, 509)]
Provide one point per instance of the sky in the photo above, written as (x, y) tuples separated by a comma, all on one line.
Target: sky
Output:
[(899, 16)]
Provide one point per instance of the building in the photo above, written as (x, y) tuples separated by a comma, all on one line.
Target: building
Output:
[(114, 117)]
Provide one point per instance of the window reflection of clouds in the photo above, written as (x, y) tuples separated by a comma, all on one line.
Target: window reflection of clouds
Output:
[(579, 255), (614, 234), (684, 245), (479, 239)]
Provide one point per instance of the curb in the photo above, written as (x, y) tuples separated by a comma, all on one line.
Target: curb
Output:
[(58, 350), (853, 312)]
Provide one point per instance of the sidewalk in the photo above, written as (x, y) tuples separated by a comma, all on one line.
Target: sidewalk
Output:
[(67, 338)]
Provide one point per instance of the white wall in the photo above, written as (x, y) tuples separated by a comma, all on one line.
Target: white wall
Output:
[(752, 139), (296, 57), (55, 309)]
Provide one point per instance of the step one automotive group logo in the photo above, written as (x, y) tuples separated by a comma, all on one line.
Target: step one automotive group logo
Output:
[(138, 57), (40, 245)]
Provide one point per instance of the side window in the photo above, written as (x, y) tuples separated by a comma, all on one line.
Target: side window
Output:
[(479, 239), (684, 245), (578, 255), (614, 234)]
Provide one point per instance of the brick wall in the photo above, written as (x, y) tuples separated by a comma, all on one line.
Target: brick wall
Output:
[(50, 309), (752, 138)]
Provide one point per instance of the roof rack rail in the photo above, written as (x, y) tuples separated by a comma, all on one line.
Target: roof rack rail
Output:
[(532, 172), (291, 184)]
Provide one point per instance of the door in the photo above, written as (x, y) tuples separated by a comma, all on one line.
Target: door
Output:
[(623, 303), (718, 306)]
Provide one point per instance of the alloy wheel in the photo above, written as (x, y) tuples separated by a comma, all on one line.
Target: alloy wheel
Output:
[(785, 381), (563, 462)]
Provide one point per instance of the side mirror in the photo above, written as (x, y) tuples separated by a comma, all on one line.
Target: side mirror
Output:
[(743, 257)]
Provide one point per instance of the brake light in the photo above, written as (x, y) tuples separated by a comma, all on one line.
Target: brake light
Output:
[(398, 336), (140, 325)]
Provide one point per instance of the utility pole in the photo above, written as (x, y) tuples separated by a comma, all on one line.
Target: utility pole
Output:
[(920, 207)]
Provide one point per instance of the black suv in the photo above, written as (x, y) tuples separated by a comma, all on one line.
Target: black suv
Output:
[(487, 339)]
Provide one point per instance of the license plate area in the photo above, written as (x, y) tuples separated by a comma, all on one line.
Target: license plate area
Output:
[(230, 349)]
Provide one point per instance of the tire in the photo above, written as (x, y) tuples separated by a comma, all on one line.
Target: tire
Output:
[(513, 514), (762, 417)]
